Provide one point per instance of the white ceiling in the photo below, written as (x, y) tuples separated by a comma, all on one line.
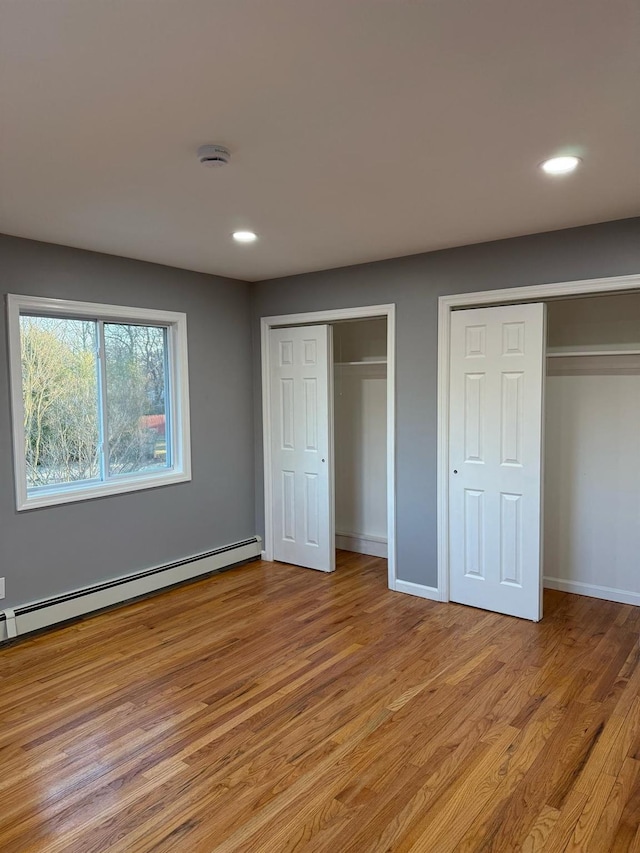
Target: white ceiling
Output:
[(360, 129)]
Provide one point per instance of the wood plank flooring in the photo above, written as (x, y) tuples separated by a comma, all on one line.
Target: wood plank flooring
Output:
[(272, 708)]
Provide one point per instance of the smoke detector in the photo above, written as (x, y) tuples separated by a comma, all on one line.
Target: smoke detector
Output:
[(214, 155)]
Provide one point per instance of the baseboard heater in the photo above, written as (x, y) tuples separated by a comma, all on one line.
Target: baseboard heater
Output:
[(35, 615)]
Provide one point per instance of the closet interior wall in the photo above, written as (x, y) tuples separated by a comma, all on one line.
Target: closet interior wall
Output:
[(592, 447), (360, 435)]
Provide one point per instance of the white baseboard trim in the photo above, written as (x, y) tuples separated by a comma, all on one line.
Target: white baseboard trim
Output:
[(362, 543), (622, 596), (263, 556), (410, 588), (25, 618)]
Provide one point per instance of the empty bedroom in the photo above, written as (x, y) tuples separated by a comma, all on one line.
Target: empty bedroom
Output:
[(319, 458)]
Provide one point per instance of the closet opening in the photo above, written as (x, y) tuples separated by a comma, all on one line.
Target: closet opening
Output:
[(360, 435), (592, 449)]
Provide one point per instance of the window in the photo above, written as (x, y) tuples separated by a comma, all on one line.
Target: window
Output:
[(100, 399)]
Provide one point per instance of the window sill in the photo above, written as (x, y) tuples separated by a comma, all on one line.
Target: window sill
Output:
[(72, 495)]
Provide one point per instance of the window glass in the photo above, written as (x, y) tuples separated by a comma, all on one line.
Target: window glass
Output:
[(136, 398), (60, 397)]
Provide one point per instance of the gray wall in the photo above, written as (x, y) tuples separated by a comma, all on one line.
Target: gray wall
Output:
[(414, 284), (55, 549)]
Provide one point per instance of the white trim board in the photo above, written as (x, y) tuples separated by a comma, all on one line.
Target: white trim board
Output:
[(362, 543), (366, 312), (622, 596), (35, 615), (447, 304)]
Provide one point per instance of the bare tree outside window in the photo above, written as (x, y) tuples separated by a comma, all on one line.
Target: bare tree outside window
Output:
[(60, 395), (136, 397)]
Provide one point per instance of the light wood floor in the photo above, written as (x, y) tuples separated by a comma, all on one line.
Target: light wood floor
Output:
[(273, 708)]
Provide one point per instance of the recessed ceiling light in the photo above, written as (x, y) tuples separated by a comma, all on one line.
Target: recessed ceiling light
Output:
[(245, 236), (560, 165)]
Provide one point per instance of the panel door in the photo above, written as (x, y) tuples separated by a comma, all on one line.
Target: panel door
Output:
[(301, 410), (495, 458)]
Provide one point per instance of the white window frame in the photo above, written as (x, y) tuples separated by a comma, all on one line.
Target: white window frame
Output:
[(178, 386)]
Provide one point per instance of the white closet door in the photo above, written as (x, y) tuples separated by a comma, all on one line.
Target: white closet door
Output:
[(496, 406), (300, 384)]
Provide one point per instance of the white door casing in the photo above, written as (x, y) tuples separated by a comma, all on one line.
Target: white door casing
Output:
[(495, 458), (301, 411)]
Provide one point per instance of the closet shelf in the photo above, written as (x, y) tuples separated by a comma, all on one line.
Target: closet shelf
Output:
[(569, 353), (363, 362)]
